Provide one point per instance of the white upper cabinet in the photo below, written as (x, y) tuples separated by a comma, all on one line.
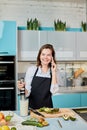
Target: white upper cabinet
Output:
[(64, 44), (81, 42), (43, 35), (69, 46), (28, 45)]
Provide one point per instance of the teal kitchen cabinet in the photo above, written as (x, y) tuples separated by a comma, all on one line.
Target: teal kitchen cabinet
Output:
[(66, 100), (83, 99), (8, 37)]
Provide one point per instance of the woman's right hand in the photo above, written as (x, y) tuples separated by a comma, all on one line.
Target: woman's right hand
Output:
[(20, 84)]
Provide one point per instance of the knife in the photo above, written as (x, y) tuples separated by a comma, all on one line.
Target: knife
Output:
[(59, 123), (36, 112)]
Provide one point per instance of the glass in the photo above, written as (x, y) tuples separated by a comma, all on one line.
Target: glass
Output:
[(11, 113), (24, 107)]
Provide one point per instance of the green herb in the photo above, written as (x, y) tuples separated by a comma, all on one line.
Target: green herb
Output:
[(59, 25), (84, 26), (32, 24), (49, 110)]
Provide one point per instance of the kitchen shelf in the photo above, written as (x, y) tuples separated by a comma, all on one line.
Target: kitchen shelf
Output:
[(50, 29)]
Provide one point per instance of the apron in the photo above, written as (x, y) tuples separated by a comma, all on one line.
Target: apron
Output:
[(40, 95)]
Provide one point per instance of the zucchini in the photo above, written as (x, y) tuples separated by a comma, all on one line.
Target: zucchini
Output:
[(33, 123)]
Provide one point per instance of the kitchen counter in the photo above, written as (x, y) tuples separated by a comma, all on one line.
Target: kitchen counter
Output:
[(76, 89), (79, 124)]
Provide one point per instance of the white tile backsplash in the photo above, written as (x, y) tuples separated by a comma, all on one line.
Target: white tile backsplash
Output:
[(65, 70), (23, 66)]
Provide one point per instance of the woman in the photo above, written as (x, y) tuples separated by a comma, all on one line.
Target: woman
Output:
[(42, 80)]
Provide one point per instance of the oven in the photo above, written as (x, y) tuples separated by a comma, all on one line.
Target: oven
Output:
[(7, 83)]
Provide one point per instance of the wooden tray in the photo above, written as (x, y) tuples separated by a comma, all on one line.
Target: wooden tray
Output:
[(61, 112)]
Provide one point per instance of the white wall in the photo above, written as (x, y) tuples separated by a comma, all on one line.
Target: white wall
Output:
[(71, 11)]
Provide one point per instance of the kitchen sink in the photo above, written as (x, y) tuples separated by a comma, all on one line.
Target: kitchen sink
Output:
[(82, 112)]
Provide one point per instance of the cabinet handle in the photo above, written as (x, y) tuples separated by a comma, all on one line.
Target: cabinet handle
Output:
[(6, 88), (6, 62), (4, 52)]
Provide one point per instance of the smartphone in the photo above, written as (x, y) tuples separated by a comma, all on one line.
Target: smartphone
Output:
[(50, 64)]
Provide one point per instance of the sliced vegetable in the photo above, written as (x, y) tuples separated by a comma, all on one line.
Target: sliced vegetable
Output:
[(35, 122), (44, 123), (13, 128), (49, 110), (72, 118), (66, 117)]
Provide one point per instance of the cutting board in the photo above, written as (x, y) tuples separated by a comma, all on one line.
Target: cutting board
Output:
[(62, 111)]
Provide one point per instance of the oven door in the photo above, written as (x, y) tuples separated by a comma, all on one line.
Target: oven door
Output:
[(7, 68), (7, 100), (7, 83)]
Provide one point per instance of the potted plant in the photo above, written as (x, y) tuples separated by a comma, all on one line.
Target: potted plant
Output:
[(59, 25), (32, 24), (84, 26)]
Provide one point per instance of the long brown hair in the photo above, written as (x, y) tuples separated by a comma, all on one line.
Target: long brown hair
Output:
[(45, 46)]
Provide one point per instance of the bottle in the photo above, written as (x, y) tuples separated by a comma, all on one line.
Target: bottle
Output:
[(23, 101), (22, 90)]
